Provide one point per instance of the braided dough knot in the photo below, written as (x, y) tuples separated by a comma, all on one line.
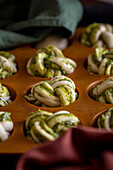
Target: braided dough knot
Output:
[(106, 120), (103, 92), (98, 35), (42, 126), (50, 62), (59, 91), (6, 125), (101, 61), (8, 65)]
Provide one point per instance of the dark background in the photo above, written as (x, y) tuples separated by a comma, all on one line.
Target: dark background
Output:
[(97, 11)]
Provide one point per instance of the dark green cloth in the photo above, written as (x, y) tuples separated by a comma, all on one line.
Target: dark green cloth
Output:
[(29, 21)]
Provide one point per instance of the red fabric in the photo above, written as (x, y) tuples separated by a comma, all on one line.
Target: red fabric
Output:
[(81, 148)]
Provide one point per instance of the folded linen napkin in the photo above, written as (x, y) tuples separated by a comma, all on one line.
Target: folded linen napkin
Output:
[(28, 21), (81, 148)]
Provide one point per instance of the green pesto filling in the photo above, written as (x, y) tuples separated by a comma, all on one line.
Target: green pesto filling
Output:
[(5, 116), (37, 116), (65, 92), (34, 119), (58, 80), (49, 68), (3, 90), (40, 137), (3, 103), (96, 97), (49, 73), (86, 36), (5, 72), (45, 88), (41, 112), (49, 51), (31, 101), (8, 55), (60, 127), (101, 121), (48, 129), (95, 60)]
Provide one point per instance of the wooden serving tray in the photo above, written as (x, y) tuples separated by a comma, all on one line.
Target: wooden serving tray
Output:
[(84, 107)]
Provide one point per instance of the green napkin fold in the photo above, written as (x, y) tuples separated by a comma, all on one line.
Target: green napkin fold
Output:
[(29, 21)]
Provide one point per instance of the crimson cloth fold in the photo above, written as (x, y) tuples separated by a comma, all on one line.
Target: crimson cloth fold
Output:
[(81, 148)]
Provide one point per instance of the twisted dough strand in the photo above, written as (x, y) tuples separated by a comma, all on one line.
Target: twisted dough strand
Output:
[(50, 62), (4, 96), (103, 92), (106, 120), (6, 125), (98, 35), (101, 61), (42, 126), (59, 91), (7, 64)]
